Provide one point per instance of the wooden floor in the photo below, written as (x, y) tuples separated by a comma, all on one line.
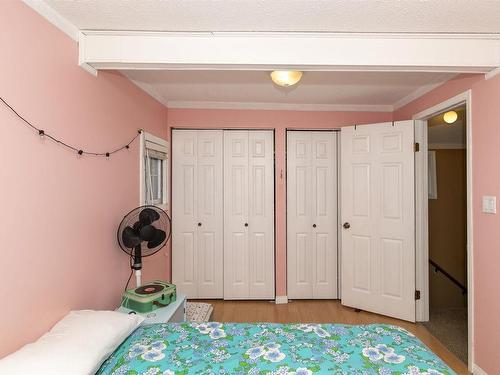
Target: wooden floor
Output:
[(326, 311)]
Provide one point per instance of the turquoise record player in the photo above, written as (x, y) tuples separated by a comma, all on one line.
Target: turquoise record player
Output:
[(149, 297)]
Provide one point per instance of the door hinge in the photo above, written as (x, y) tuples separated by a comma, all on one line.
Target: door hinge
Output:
[(417, 294), (416, 147)]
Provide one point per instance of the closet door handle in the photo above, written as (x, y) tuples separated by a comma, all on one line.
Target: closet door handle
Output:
[(246, 224), (314, 225), (199, 224), (346, 225)]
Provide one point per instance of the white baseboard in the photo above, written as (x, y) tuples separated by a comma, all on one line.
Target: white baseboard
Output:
[(281, 299), (476, 370)]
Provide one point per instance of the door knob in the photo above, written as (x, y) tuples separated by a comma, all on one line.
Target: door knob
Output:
[(314, 225), (199, 224), (246, 224), (346, 225)]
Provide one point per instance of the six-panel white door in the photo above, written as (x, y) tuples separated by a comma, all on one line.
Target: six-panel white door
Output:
[(378, 235), (248, 214), (197, 221), (312, 214)]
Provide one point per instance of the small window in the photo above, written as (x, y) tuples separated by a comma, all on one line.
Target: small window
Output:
[(154, 167)]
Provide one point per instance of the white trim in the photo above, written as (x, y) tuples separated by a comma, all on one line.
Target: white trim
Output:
[(421, 227), (51, 15), (279, 300), (476, 370), (278, 106), (422, 219), (148, 140), (421, 91), (443, 106), (266, 51), (492, 73)]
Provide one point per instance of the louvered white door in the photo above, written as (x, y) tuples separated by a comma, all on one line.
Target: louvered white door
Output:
[(248, 214), (197, 214), (377, 195), (312, 214)]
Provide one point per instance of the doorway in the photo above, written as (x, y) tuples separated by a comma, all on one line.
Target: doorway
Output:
[(444, 224), (447, 228)]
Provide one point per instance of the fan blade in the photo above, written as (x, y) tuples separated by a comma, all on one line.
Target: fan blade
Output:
[(147, 233), (130, 238), (158, 239), (147, 216)]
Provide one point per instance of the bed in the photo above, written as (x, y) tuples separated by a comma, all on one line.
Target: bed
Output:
[(270, 348)]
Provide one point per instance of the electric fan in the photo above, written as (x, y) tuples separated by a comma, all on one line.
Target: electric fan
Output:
[(143, 232)]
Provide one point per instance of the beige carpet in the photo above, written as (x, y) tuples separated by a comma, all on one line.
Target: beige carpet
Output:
[(198, 311), (450, 327)]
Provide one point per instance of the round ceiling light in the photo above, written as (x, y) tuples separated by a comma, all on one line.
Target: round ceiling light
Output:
[(450, 117), (286, 78)]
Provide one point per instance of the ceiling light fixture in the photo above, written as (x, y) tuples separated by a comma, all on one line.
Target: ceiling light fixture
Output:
[(286, 78), (450, 117)]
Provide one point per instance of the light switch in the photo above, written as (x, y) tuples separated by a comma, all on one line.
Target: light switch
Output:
[(489, 204)]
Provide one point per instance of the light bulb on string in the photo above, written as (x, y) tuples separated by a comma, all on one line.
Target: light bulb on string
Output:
[(41, 133), (107, 156), (79, 154)]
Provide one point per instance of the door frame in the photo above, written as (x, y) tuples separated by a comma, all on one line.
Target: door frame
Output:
[(422, 215)]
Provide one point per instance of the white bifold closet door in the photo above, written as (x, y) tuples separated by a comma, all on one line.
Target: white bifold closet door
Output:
[(312, 214), (248, 214), (197, 213), (378, 216)]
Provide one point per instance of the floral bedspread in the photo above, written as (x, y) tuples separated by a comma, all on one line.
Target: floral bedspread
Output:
[(269, 348)]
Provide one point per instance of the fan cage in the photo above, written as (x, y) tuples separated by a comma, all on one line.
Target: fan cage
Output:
[(164, 223)]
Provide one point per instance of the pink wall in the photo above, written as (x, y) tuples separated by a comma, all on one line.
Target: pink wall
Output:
[(59, 214), (280, 121), (486, 181)]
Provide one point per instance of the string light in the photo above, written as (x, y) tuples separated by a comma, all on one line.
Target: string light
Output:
[(79, 152)]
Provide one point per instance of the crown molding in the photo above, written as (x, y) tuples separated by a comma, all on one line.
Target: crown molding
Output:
[(421, 91), (47, 12), (148, 89), (492, 73), (279, 106)]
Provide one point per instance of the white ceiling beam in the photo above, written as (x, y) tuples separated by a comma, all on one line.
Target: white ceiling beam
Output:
[(492, 73), (476, 53)]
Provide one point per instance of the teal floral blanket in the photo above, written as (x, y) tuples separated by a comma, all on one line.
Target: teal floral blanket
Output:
[(269, 348)]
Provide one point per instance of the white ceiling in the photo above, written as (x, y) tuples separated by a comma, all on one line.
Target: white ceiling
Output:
[(430, 16), (379, 91)]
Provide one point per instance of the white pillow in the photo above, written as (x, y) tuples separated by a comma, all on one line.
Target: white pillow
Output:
[(77, 345)]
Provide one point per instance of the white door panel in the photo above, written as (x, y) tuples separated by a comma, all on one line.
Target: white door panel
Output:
[(324, 214), (210, 215), (311, 214), (299, 214), (261, 214), (236, 262), (184, 231), (248, 214), (197, 212), (377, 195)]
